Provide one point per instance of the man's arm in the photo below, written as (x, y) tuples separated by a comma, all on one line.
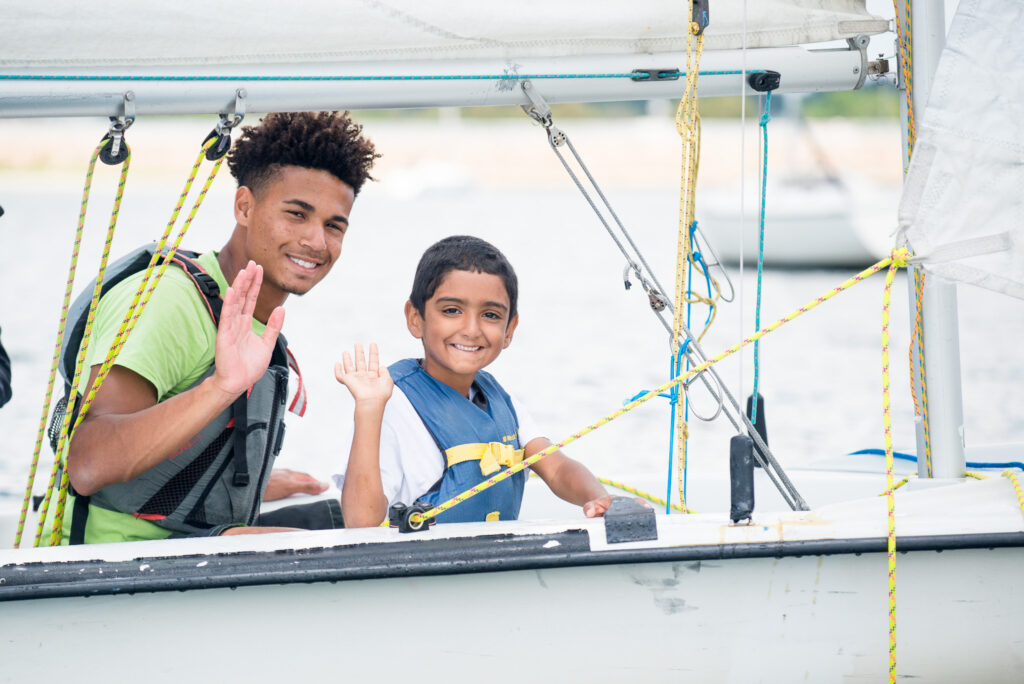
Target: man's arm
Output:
[(126, 431), (569, 480), (363, 503)]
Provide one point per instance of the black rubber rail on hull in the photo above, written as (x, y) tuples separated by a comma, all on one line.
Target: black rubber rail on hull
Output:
[(492, 553)]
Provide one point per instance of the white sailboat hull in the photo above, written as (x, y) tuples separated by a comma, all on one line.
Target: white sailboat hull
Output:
[(819, 618), (792, 597)]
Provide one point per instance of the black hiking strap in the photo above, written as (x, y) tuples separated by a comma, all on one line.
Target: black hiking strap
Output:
[(241, 476), (204, 282), (79, 516)]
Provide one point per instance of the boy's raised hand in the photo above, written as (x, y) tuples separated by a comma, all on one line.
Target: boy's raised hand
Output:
[(369, 382)]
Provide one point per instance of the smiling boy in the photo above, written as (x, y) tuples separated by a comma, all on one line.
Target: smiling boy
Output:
[(428, 429)]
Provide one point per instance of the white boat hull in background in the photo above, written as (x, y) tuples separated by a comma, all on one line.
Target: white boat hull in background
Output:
[(809, 225)]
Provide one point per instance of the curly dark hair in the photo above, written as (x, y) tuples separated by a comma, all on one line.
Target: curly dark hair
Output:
[(328, 141)]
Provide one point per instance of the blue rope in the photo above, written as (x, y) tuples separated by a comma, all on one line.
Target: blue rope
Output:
[(673, 397), (424, 77), (675, 363), (765, 118), (913, 458)]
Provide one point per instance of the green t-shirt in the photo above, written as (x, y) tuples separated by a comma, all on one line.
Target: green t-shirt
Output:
[(172, 345)]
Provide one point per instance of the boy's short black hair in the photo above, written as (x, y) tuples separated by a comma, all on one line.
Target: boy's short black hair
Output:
[(461, 253), (328, 141)]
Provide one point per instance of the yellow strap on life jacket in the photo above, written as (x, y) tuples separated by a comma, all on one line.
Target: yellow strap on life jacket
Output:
[(492, 455)]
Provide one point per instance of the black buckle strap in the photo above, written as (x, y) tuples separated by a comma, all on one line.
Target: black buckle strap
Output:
[(241, 475)]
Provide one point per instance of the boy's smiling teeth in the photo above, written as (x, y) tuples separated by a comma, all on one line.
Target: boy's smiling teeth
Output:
[(303, 262), (462, 347)]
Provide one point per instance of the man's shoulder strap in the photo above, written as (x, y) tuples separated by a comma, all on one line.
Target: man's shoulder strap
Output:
[(204, 282)]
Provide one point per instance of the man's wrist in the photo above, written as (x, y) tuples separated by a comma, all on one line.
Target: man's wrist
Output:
[(220, 395)]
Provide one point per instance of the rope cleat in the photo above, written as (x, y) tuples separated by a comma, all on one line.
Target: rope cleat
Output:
[(401, 516), (669, 74), (765, 81)]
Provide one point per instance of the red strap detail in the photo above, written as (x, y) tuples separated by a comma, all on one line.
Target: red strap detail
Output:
[(149, 516), (298, 405)]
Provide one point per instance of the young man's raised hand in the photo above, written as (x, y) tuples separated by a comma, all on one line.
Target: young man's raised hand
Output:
[(242, 356)]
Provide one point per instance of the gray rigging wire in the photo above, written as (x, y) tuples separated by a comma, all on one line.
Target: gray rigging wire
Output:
[(540, 112)]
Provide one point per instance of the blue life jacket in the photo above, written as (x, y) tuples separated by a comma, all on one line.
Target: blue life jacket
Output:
[(476, 443)]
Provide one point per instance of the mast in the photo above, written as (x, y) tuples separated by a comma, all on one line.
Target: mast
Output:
[(940, 319)]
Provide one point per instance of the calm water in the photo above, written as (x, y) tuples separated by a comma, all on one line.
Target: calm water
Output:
[(584, 344)]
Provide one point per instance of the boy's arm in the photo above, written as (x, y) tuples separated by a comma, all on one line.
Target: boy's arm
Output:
[(569, 479), (363, 503)]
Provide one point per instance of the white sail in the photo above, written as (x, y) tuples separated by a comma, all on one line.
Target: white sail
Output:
[(66, 33), (64, 58), (962, 211)]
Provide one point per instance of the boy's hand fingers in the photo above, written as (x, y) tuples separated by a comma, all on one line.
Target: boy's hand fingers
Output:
[(374, 366), (360, 358), (339, 372), (597, 507), (346, 360)]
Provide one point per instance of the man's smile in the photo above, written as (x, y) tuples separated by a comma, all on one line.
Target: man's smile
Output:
[(305, 264)]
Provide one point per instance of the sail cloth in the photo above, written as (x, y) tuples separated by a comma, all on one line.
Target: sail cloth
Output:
[(962, 210), (69, 34)]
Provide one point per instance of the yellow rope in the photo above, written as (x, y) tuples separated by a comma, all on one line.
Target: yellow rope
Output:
[(147, 286), (688, 126), (906, 42), (1012, 477), (899, 257), (921, 407), (69, 286), (898, 484), (628, 489), (642, 494), (976, 476), (684, 435)]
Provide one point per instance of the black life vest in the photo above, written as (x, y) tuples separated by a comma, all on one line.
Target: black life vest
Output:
[(217, 479)]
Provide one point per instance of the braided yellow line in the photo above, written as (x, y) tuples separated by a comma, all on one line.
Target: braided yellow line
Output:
[(976, 476), (62, 324), (898, 485), (642, 494), (921, 408), (1012, 477), (684, 437), (142, 295), (906, 43), (688, 127), (897, 261), (905, 57), (899, 257)]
